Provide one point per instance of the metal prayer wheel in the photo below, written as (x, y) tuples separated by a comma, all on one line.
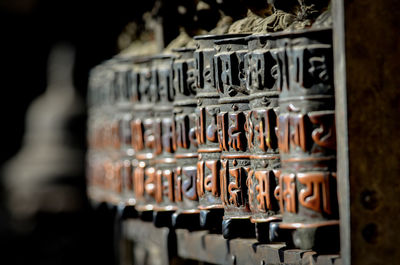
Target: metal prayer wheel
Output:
[(208, 165), (123, 103), (95, 154), (307, 139), (143, 139), (230, 75), (186, 198), (110, 159), (261, 120), (164, 138)]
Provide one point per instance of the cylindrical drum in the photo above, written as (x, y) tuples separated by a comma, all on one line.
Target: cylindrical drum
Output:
[(230, 78), (143, 139), (164, 140), (112, 178), (100, 78), (307, 139), (124, 109), (187, 215), (261, 119), (208, 165)]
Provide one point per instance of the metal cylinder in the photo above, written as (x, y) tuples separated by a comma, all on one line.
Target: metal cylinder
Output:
[(123, 86), (306, 137), (229, 63), (164, 131), (187, 215), (261, 119), (143, 140), (99, 79), (208, 165)]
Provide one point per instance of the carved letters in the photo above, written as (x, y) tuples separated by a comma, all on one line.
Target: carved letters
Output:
[(314, 194), (225, 72), (189, 184), (201, 126), (168, 135), (165, 185), (158, 145), (127, 175), (287, 184), (264, 124), (182, 131), (316, 190), (185, 135), (208, 182), (222, 126), (261, 70), (237, 138), (264, 190), (148, 133), (231, 131), (137, 134), (150, 181), (204, 69), (233, 184), (138, 176), (296, 130)]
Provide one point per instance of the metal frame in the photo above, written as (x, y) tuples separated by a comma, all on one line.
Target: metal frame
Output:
[(367, 53)]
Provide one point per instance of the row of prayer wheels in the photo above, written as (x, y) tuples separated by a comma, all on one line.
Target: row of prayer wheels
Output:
[(235, 135)]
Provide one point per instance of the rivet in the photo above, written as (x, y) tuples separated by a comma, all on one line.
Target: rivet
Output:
[(369, 199), (370, 233)]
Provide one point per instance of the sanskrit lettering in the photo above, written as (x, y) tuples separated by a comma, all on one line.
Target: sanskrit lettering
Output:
[(150, 181), (208, 182), (137, 135), (264, 189), (287, 184), (168, 135), (237, 137), (222, 124), (316, 193), (189, 182), (296, 130), (325, 134), (138, 175), (264, 127)]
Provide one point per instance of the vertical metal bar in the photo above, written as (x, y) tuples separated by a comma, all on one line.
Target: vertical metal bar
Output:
[(368, 63), (339, 57)]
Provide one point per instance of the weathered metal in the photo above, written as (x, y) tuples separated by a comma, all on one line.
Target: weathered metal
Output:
[(261, 119), (124, 116), (208, 166), (150, 245), (306, 137), (212, 248), (238, 134), (107, 153), (230, 74), (164, 138), (143, 139), (186, 156), (95, 172)]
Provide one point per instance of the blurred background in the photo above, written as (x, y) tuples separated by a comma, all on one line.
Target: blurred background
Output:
[(47, 49)]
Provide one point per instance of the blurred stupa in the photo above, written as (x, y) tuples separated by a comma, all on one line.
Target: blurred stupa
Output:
[(46, 174)]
